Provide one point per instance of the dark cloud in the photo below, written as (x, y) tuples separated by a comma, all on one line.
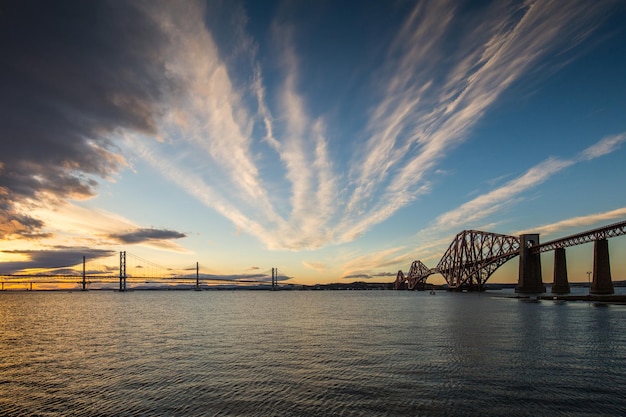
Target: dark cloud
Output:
[(145, 235), (53, 259), (370, 276), (72, 74), (358, 276), (14, 223)]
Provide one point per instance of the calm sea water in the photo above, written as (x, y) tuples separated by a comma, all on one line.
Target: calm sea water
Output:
[(292, 353)]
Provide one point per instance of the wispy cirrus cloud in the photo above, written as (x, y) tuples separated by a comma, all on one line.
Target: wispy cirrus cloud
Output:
[(217, 124), (512, 192), (315, 266), (483, 206), (603, 147), (254, 150), (423, 114), (402, 256), (577, 222), (501, 197), (364, 264), (422, 111)]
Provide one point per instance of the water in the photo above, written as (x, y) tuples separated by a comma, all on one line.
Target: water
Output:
[(292, 353)]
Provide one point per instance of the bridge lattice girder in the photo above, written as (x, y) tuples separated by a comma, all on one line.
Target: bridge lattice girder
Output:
[(416, 277), (473, 256), (605, 232)]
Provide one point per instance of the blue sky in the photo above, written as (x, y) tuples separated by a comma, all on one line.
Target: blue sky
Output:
[(333, 141)]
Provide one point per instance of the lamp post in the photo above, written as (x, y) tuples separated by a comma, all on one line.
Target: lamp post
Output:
[(589, 282)]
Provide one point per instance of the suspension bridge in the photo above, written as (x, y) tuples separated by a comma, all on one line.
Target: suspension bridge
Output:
[(133, 272), (473, 256)]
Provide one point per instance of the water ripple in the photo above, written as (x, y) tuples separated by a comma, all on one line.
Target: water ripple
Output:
[(299, 353)]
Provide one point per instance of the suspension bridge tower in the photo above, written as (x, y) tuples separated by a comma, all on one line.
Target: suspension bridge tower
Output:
[(123, 271)]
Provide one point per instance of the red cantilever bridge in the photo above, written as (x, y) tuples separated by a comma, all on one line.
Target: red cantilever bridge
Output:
[(473, 256)]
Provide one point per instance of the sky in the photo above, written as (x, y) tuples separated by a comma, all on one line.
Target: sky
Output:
[(335, 141)]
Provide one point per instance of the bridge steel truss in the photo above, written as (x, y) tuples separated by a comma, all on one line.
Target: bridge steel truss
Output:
[(416, 278), (473, 256), (601, 233)]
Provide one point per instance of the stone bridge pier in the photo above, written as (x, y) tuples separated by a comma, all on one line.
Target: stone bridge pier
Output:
[(560, 284), (529, 281), (602, 283)]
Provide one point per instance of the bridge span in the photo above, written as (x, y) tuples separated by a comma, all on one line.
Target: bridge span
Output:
[(473, 256), (133, 270)]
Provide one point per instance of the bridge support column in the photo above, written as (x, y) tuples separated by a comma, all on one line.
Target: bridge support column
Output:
[(529, 279), (560, 285), (123, 271), (602, 283)]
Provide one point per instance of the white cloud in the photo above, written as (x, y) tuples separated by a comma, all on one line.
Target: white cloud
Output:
[(511, 192), (603, 147), (577, 222), (486, 204), (496, 56), (213, 148)]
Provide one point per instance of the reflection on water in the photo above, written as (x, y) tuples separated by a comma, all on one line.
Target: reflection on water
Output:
[(308, 353)]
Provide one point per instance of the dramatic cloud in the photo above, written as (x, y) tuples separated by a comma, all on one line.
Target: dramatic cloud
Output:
[(427, 110), (73, 74), (276, 178), (86, 83), (53, 259), (146, 235)]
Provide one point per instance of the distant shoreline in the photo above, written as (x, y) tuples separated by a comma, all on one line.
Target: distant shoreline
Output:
[(353, 286)]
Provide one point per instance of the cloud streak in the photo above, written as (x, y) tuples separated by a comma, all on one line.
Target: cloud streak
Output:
[(511, 192), (244, 141), (469, 214), (422, 118), (423, 112), (577, 222)]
